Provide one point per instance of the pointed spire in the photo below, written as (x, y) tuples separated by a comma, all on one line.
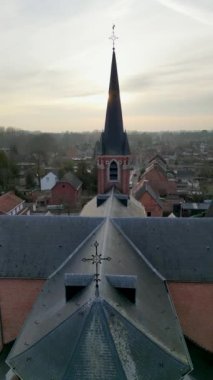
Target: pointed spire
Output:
[(114, 120), (114, 139)]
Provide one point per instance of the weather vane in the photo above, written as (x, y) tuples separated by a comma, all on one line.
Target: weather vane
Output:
[(113, 37), (96, 259)]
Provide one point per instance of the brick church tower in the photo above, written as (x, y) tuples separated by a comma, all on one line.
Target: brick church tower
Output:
[(113, 151)]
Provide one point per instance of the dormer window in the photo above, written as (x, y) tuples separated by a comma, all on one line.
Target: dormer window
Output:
[(113, 171), (124, 284), (74, 283)]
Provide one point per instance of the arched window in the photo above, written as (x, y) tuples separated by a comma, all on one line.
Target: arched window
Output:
[(113, 171)]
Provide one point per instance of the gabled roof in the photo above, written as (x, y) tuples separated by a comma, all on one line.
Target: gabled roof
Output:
[(181, 249), (132, 209), (35, 246), (156, 167), (114, 140), (72, 179), (8, 202), (50, 173), (146, 188), (109, 337), (158, 158), (97, 353)]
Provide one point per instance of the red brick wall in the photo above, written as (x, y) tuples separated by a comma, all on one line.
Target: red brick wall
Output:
[(150, 205), (124, 171), (16, 299), (64, 193), (159, 182), (194, 306)]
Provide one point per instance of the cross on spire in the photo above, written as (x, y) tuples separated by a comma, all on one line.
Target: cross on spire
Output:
[(96, 259), (113, 37)]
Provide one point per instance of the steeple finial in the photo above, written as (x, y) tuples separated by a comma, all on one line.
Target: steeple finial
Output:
[(113, 37)]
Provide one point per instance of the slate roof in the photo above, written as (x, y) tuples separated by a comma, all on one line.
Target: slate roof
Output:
[(39, 244), (173, 246), (133, 208), (109, 337), (8, 202), (72, 179), (104, 359), (114, 140), (195, 206), (181, 249)]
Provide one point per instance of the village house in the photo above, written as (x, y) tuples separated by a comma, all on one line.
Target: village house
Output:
[(67, 191), (149, 199), (48, 181), (157, 189), (10, 204)]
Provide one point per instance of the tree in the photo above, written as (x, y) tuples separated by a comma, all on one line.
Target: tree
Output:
[(30, 180), (65, 167), (88, 176), (8, 172)]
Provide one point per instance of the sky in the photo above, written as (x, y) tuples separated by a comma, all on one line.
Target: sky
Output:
[(55, 59)]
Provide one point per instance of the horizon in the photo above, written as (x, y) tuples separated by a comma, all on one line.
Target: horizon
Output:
[(9, 128), (55, 68)]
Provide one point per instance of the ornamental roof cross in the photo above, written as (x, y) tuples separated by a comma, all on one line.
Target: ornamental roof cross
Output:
[(113, 37), (96, 259)]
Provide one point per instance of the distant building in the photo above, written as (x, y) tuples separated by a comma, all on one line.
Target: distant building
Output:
[(158, 179), (10, 204), (67, 191), (149, 199), (157, 190), (48, 181), (158, 159), (188, 209)]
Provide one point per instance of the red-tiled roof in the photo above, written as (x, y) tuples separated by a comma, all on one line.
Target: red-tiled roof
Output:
[(8, 202)]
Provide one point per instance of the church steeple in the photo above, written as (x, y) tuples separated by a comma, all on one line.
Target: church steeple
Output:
[(114, 140), (113, 150)]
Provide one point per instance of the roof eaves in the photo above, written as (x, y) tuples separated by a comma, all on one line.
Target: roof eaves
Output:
[(113, 220), (77, 249)]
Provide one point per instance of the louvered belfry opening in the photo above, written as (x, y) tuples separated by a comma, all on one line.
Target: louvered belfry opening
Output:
[(113, 171)]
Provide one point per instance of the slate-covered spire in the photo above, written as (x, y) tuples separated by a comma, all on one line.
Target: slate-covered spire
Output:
[(114, 140)]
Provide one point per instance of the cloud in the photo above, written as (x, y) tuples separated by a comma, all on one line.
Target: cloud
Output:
[(138, 82), (199, 10), (193, 72)]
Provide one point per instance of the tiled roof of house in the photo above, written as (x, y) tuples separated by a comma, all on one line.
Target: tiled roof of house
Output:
[(145, 187), (72, 179), (158, 158), (8, 202), (156, 167)]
